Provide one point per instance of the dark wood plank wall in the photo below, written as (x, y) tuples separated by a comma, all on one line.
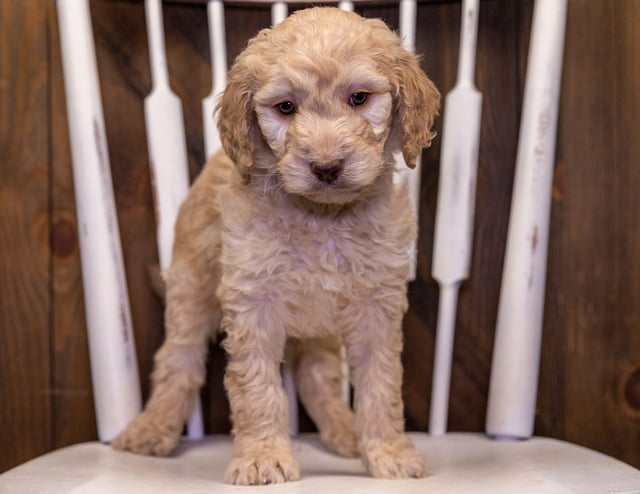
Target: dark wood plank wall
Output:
[(590, 378), (25, 303)]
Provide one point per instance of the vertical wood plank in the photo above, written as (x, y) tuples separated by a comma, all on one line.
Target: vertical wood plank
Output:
[(592, 339), (72, 408), (25, 387)]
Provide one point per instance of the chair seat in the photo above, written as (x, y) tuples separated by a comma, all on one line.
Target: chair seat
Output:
[(459, 463)]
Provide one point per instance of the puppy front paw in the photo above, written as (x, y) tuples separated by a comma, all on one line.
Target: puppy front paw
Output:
[(147, 436), (259, 468), (394, 459)]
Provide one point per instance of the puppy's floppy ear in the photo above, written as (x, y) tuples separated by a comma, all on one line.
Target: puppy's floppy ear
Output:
[(237, 122), (418, 102)]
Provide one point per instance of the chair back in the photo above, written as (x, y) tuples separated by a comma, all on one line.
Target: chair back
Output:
[(113, 357)]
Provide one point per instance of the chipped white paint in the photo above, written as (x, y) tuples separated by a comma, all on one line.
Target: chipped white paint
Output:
[(514, 375), (453, 238), (114, 370)]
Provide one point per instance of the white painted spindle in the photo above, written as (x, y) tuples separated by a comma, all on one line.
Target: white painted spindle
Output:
[(516, 357), (167, 145), (218, 53), (453, 238), (346, 5), (279, 12), (114, 369)]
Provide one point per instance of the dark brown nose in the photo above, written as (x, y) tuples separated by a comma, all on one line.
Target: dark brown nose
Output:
[(327, 172)]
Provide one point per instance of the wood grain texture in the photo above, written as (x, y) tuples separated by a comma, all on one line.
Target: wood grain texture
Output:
[(25, 302), (592, 328), (590, 379), (71, 376)]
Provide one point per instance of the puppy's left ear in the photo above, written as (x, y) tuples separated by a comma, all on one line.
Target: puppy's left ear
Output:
[(418, 102)]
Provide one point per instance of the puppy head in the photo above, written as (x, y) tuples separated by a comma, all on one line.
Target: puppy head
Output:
[(323, 100)]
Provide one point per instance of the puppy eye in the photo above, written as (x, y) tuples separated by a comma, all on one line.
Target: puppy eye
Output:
[(286, 107), (359, 98)]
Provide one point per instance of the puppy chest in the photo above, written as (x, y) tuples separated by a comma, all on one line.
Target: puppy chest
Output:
[(308, 258), (304, 260)]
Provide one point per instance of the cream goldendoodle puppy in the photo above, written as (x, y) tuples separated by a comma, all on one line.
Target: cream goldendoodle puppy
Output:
[(298, 232)]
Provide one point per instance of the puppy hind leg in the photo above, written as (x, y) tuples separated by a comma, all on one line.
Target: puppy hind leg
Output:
[(318, 376), (179, 370)]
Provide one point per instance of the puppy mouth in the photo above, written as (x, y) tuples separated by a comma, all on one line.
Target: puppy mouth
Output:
[(333, 187), (333, 194)]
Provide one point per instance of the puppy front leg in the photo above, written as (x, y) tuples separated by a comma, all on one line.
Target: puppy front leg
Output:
[(373, 350), (262, 447)]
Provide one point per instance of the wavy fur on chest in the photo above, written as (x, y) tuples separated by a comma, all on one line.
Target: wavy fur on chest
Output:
[(306, 260)]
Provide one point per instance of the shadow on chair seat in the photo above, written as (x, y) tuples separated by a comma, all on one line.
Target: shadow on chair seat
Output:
[(459, 463)]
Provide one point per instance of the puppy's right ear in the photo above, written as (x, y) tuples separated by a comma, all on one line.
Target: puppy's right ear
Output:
[(419, 101), (236, 117)]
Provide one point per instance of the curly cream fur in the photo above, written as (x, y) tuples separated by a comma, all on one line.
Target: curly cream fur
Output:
[(268, 250)]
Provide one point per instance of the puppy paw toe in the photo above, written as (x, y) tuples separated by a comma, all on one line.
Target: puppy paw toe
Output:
[(395, 460), (147, 437), (262, 468)]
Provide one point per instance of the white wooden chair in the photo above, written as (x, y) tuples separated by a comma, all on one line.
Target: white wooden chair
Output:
[(505, 460)]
